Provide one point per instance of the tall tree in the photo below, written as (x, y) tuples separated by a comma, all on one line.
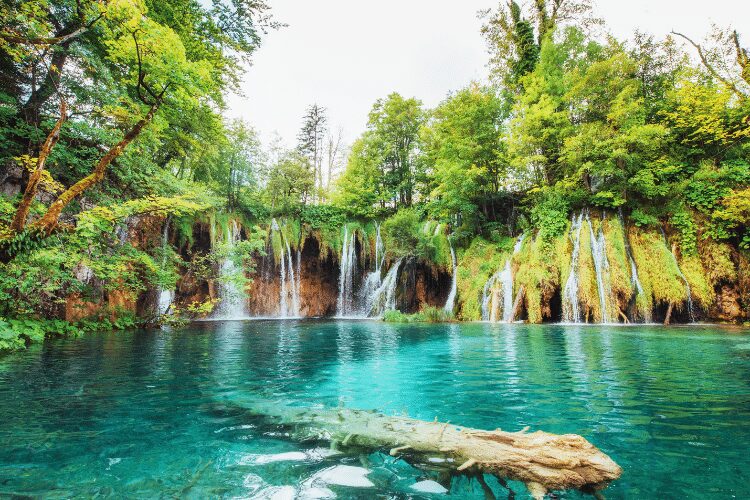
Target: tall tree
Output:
[(311, 140)]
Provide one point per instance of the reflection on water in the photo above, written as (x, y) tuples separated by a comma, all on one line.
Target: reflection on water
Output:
[(148, 414)]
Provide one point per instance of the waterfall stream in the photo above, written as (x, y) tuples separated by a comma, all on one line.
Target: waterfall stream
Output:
[(384, 297), (289, 281), (571, 306), (450, 303), (166, 297), (232, 296), (348, 267), (688, 291), (505, 279), (601, 268)]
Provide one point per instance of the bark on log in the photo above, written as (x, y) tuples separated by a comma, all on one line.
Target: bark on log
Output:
[(543, 461)]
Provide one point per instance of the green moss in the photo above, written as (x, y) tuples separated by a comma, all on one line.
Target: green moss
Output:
[(657, 270), (717, 260), (539, 273), (475, 266), (700, 285), (619, 266), (427, 315)]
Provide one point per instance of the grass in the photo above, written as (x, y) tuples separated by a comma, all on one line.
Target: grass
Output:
[(428, 314)]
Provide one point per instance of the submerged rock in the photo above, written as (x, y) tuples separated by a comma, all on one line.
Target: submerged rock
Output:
[(429, 486), (341, 475)]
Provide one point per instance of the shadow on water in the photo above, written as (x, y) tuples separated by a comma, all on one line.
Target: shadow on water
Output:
[(153, 413)]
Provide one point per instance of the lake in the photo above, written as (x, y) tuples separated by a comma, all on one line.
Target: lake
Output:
[(163, 414)]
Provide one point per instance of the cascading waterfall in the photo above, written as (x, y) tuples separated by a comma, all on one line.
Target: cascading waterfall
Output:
[(689, 292), (450, 303), (289, 289), (571, 306), (166, 297), (373, 279), (489, 293), (348, 268), (232, 296), (384, 297), (601, 268)]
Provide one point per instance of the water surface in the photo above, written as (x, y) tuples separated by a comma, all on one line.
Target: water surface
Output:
[(160, 414)]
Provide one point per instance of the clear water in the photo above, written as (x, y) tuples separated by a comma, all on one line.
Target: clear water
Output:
[(159, 414)]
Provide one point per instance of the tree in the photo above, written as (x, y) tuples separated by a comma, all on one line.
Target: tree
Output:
[(515, 37), (291, 181), (311, 143), (464, 145)]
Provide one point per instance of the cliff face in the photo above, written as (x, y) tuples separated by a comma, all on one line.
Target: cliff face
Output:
[(606, 272), (318, 282)]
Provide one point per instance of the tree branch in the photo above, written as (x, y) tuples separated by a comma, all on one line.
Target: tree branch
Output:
[(709, 66), (22, 212)]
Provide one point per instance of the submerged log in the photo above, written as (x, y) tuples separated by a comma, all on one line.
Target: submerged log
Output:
[(543, 461)]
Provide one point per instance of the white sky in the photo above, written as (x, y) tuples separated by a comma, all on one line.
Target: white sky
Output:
[(345, 54)]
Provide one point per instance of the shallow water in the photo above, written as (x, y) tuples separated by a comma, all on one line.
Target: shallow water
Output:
[(158, 414)]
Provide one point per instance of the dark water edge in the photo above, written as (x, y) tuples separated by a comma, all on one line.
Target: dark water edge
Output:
[(159, 413)]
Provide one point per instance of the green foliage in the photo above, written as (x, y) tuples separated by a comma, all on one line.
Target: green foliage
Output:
[(475, 266), (428, 314)]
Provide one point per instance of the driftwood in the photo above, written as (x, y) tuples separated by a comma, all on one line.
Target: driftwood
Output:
[(543, 461)]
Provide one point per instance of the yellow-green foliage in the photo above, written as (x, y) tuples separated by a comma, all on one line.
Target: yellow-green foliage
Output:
[(619, 267), (539, 272), (700, 286), (438, 240), (657, 270), (475, 266), (717, 260)]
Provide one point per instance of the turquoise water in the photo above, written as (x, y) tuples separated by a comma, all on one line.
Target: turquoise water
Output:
[(159, 414)]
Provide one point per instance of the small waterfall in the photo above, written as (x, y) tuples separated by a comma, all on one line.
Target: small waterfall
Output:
[(231, 293), (601, 267), (689, 292), (571, 306), (384, 297), (166, 297), (348, 267), (289, 283), (505, 278), (379, 250), (450, 303)]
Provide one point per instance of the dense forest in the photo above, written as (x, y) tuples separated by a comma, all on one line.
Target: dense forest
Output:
[(591, 179)]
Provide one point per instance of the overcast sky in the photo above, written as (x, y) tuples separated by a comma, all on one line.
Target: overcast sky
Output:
[(345, 54)]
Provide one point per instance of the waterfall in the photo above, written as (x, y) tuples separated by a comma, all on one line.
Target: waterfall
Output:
[(231, 293), (166, 297), (384, 297), (379, 250), (348, 266), (450, 303), (571, 307), (601, 267), (689, 292), (505, 278), (289, 282)]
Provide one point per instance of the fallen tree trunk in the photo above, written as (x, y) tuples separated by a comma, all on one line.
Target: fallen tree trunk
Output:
[(543, 461)]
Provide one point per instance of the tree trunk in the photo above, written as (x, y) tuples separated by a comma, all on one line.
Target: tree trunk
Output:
[(22, 212), (668, 317), (49, 221), (542, 461)]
